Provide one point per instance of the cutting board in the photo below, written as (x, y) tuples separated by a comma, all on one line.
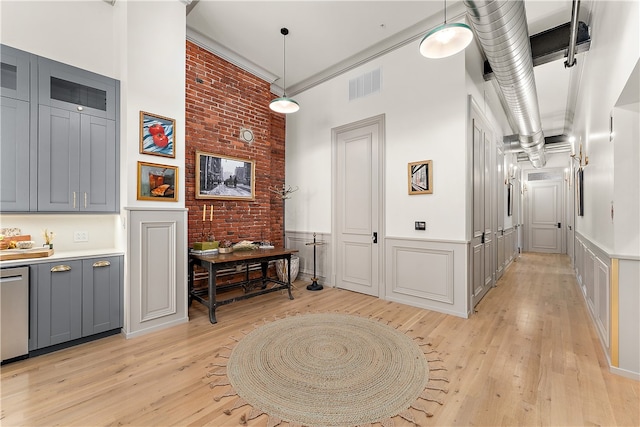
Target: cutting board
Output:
[(11, 254)]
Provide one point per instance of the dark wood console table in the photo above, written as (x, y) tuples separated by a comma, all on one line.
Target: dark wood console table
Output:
[(213, 263)]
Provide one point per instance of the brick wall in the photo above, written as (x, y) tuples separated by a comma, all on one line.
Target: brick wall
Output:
[(220, 99)]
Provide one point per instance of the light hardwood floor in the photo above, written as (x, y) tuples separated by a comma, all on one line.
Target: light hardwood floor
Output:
[(528, 356)]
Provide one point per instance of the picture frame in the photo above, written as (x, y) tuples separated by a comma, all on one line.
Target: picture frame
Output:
[(157, 182), (580, 191), (224, 178), (157, 135), (420, 177)]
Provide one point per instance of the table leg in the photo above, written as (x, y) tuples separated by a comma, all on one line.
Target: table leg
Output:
[(289, 276), (190, 281), (264, 266), (212, 293)]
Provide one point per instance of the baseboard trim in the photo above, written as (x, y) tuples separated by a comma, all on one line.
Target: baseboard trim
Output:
[(141, 332)]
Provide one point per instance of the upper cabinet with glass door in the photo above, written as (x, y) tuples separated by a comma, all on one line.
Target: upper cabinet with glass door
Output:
[(15, 69), (69, 88)]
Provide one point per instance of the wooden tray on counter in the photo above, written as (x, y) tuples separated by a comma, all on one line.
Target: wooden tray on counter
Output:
[(12, 254)]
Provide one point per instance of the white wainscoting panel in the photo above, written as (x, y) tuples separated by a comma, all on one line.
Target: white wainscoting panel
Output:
[(156, 279), (593, 274), (157, 243), (427, 274), (602, 303), (423, 273), (629, 318), (501, 255)]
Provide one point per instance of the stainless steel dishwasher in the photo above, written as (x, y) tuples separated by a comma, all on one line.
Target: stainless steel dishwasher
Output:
[(14, 312)]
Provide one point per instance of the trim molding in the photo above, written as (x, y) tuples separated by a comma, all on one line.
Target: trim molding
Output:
[(615, 332)]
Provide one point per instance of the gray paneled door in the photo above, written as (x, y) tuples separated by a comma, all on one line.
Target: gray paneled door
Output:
[(482, 242), (357, 187), (545, 216)]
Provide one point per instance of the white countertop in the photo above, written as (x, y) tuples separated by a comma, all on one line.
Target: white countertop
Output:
[(63, 255)]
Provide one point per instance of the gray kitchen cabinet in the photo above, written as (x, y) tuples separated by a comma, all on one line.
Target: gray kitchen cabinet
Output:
[(59, 302), (75, 299), (16, 73), (60, 145), (101, 295), (14, 154), (77, 168)]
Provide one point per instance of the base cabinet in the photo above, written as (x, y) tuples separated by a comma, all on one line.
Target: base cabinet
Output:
[(101, 295), (59, 302), (75, 299)]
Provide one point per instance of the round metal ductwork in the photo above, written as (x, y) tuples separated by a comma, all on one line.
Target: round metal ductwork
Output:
[(501, 29)]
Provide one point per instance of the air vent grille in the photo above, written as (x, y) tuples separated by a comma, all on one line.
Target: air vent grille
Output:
[(544, 176), (365, 84)]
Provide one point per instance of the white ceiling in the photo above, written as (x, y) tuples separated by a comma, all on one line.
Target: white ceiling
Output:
[(328, 37)]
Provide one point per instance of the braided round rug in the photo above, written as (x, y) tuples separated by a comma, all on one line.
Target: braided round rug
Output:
[(329, 370)]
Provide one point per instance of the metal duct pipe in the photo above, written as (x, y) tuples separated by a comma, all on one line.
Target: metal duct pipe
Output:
[(501, 28)]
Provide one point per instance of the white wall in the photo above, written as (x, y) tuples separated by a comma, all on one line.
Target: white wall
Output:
[(611, 174), (154, 55), (615, 48), (626, 222), (424, 103), (78, 33)]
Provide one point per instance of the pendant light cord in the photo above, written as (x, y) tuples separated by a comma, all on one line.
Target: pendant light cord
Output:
[(284, 32), (445, 12)]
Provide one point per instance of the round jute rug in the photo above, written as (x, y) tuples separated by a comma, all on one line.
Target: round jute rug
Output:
[(328, 370)]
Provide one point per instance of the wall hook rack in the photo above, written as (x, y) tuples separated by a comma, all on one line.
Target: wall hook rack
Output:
[(284, 192)]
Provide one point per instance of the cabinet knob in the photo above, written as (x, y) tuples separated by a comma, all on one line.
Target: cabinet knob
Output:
[(80, 108), (59, 268), (101, 264)]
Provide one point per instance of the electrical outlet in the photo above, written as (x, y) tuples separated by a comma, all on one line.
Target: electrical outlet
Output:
[(80, 236)]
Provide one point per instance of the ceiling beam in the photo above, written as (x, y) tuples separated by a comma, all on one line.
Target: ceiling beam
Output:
[(551, 45)]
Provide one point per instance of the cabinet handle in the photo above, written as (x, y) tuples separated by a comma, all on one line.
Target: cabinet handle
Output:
[(101, 264), (85, 200), (59, 268), (74, 200)]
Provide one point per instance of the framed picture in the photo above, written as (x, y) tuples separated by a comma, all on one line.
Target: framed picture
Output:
[(580, 191), (224, 178), (157, 135), (421, 177), (157, 182)]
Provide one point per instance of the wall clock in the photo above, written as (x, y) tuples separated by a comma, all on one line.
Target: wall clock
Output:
[(246, 135)]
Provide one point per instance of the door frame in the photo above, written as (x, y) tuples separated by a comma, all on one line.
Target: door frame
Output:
[(527, 207), (378, 120)]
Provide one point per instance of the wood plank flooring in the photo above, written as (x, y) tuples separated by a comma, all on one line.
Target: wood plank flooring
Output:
[(528, 356)]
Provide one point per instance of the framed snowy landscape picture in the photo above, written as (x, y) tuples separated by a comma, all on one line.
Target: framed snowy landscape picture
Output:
[(224, 178)]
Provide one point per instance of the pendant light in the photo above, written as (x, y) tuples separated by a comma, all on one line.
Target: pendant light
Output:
[(283, 104), (446, 39)]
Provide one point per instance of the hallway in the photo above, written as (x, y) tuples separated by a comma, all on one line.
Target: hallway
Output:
[(528, 356)]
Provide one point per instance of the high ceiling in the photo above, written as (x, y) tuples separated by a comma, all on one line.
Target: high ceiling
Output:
[(329, 37)]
